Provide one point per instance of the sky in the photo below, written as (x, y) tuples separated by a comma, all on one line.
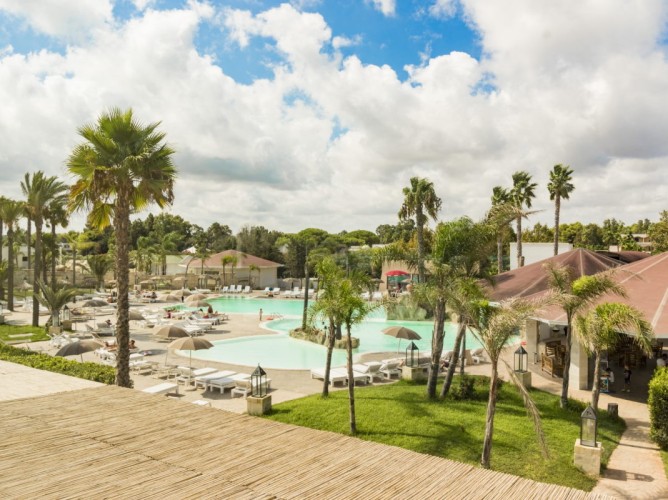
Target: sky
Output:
[(316, 113)]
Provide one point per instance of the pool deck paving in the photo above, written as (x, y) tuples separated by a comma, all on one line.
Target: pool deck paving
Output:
[(635, 469)]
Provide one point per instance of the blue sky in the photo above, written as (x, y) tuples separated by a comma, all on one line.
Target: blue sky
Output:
[(316, 113)]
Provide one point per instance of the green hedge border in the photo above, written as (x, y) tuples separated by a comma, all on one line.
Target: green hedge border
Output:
[(658, 408), (88, 371)]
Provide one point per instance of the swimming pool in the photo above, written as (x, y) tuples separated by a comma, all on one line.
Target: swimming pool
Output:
[(281, 351)]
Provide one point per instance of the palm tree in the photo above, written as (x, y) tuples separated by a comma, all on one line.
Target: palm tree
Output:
[(494, 326), (122, 167), (99, 266), (225, 261), (560, 187), (54, 298), (420, 200), (329, 306), (575, 296), (602, 329), (12, 211), (521, 194), (251, 269), (3, 200), (40, 191), (56, 214), (500, 196)]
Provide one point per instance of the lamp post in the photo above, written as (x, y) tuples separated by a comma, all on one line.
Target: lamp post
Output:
[(521, 365), (412, 355), (258, 401), (412, 369), (587, 452)]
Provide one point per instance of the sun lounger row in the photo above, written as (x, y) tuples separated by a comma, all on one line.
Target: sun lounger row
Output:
[(298, 293), (236, 289), (362, 372)]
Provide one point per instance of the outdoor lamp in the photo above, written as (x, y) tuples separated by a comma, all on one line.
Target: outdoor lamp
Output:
[(259, 382), (521, 360), (588, 427), (66, 313), (412, 354)]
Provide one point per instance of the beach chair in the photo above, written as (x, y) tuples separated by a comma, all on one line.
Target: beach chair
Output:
[(389, 368), (226, 382), (247, 289), (243, 387), (186, 375), (202, 380), (240, 288), (478, 355), (164, 388), (370, 369), (334, 375)]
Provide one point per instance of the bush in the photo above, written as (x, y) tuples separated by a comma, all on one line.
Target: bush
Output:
[(465, 389), (87, 371), (658, 408)]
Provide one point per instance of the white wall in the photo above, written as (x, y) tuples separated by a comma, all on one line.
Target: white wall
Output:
[(534, 252)]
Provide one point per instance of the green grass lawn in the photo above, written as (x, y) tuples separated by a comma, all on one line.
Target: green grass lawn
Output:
[(38, 333), (400, 415), (664, 457)]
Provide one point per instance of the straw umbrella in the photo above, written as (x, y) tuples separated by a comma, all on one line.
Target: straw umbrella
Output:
[(78, 348), (135, 316), (181, 293), (198, 303), (171, 332), (195, 296), (190, 344)]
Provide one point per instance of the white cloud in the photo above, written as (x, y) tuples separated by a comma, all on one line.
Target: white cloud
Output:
[(387, 7), (342, 41), (330, 141), (61, 18), (443, 9)]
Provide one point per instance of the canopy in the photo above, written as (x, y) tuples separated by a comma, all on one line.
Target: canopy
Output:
[(397, 273)]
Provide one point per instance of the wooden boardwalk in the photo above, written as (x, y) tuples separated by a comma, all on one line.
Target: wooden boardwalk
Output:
[(108, 442)]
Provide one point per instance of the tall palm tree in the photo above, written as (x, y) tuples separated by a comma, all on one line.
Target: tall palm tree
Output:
[(3, 200), (494, 326), (521, 195), (56, 214), (12, 211), (329, 306), (122, 167), (500, 196), (420, 201), (574, 296), (602, 329), (560, 188), (40, 191)]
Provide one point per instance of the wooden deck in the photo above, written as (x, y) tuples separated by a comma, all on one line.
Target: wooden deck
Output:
[(108, 442)]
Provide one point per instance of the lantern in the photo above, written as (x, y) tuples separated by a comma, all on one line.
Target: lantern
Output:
[(66, 313), (588, 427), (259, 382), (521, 360), (412, 355)]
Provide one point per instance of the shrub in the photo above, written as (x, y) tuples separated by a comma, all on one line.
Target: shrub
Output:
[(87, 371), (658, 407), (465, 389)]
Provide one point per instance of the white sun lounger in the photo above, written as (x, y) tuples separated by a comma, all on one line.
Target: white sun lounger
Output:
[(370, 369), (202, 380), (164, 388), (226, 382)]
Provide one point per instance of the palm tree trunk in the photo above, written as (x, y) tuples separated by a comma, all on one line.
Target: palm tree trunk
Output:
[(306, 285), (420, 242), (567, 365), (462, 357), (2, 229), (328, 362), (557, 208), (10, 267), (520, 258), (29, 240), (53, 255), (491, 410), (453, 361), (596, 388), (74, 266), (351, 382), (436, 347), (499, 253), (122, 226), (36, 272)]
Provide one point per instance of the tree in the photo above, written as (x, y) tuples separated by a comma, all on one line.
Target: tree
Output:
[(560, 188), (603, 327), (420, 201), (40, 191), (54, 299), (494, 325), (57, 216), (539, 233), (658, 234), (259, 241), (574, 296), (99, 266), (613, 232), (225, 261), (521, 195), (122, 167), (500, 197), (252, 268), (11, 211), (328, 306)]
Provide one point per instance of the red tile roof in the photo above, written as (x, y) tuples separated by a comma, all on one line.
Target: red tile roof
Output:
[(243, 261)]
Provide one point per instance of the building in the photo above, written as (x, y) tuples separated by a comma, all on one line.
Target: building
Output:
[(247, 270), (535, 252)]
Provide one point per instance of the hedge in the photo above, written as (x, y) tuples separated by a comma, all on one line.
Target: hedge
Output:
[(658, 407), (87, 371)]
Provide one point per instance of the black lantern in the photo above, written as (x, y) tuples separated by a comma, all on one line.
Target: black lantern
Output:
[(588, 427), (412, 355), (521, 360), (259, 382), (66, 313)]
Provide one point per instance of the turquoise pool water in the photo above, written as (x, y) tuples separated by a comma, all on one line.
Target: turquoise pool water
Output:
[(280, 351)]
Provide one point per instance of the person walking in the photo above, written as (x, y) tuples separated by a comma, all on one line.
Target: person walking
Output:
[(260, 314), (627, 379)]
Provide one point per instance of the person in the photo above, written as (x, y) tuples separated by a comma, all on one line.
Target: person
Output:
[(627, 379), (209, 309), (260, 314), (611, 378), (133, 345), (108, 323), (661, 362)]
